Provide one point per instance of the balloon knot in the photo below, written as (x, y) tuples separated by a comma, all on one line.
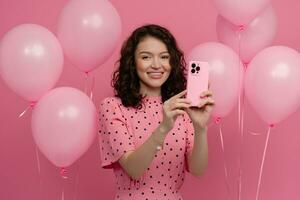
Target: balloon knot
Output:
[(218, 120), (63, 172), (241, 27), (32, 103), (272, 125)]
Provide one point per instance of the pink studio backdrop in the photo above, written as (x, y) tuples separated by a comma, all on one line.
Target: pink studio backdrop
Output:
[(192, 22)]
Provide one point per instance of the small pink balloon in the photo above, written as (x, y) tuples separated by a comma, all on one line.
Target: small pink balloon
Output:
[(254, 37), (240, 12), (88, 31), (64, 125), (225, 74), (272, 83), (31, 60)]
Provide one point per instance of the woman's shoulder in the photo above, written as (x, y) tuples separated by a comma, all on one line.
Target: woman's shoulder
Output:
[(110, 102), (110, 99)]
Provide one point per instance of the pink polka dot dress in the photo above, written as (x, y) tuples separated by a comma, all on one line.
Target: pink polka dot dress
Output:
[(123, 129)]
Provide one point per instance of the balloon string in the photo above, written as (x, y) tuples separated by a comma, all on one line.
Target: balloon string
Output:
[(76, 183), (263, 161), (86, 82), (241, 129), (92, 87), (218, 121), (241, 105), (241, 94), (225, 166), (39, 169), (239, 54), (86, 85), (31, 105), (38, 160), (63, 191), (63, 172)]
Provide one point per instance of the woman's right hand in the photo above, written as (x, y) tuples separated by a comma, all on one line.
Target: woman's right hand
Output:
[(172, 108)]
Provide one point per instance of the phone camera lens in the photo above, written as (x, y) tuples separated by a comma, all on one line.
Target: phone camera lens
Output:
[(198, 68), (193, 71), (193, 65)]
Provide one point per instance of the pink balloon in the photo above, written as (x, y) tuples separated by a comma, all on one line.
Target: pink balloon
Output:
[(226, 74), (31, 60), (240, 12), (64, 125), (272, 83), (88, 31), (257, 35)]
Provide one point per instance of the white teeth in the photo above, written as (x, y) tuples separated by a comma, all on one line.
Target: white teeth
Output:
[(155, 74)]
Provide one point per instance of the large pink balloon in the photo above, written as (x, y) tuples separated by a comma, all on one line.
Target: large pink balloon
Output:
[(272, 83), (240, 12), (88, 31), (257, 35), (226, 74), (31, 60), (64, 125)]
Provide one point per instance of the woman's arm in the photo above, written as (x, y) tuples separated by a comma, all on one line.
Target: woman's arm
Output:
[(137, 161), (198, 157)]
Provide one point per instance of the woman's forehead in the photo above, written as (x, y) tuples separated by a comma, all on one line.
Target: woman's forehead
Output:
[(151, 45)]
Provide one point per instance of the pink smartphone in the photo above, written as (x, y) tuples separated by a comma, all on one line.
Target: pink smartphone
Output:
[(197, 80)]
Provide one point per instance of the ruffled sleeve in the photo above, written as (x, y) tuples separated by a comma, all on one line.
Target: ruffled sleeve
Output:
[(115, 137)]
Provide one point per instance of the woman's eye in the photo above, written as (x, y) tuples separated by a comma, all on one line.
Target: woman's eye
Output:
[(165, 57), (145, 57)]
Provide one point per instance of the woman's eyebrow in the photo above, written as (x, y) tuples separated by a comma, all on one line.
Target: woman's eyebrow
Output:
[(164, 52), (145, 52), (148, 52)]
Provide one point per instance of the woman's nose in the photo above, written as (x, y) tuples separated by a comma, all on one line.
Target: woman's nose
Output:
[(156, 63)]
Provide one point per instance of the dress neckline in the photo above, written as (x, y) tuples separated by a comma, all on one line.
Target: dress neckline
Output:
[(153, 98)]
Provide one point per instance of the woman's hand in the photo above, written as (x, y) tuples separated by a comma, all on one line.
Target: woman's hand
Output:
[(172, 108), (201, 114)]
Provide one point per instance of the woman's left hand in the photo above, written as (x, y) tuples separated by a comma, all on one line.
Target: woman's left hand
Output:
[(201, 114)]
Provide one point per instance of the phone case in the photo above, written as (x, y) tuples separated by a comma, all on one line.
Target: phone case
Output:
[(197, 80)]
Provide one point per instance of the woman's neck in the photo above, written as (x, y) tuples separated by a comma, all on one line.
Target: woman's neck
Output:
[(153, 92)]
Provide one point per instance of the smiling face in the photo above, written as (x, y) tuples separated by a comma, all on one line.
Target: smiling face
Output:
[(152, 61)]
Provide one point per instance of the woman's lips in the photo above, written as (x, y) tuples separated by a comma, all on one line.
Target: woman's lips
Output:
[(155, 75)]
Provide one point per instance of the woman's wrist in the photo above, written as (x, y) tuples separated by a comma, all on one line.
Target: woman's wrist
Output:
[(200, 129), (163, 130)]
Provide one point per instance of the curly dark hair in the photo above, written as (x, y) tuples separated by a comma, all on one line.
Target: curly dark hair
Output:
[(126, 82)]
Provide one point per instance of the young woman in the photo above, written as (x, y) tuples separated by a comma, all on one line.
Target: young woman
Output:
[(149, 133)]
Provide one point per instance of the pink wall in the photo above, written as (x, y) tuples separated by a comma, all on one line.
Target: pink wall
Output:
[(192, 22)]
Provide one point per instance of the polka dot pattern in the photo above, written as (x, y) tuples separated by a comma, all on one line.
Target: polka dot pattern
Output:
[(123, 129)]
